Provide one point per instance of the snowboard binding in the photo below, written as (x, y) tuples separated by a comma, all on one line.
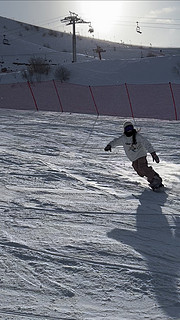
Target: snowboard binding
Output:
[(156, 183), (158, 188)]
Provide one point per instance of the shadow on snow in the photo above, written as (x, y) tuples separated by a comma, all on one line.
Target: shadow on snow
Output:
[(159, 244)]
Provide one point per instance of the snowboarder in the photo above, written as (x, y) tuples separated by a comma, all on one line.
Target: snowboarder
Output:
[(136, 147)]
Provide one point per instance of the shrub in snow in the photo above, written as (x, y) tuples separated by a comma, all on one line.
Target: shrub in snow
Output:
[(37, 66), (62, 73)]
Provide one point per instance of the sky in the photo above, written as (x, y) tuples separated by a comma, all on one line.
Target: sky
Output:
[(157, 21)]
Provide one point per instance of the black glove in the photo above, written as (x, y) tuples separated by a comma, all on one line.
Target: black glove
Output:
[(108, 148), (155, 157)]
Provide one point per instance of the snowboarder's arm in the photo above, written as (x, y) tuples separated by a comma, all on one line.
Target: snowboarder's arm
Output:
[(155, 157), (114, 143), (150, 148)]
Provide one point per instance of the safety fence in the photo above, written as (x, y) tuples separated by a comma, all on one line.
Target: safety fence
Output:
[(158, 101)]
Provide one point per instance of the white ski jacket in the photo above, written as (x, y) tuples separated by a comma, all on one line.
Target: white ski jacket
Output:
[(133, 151)]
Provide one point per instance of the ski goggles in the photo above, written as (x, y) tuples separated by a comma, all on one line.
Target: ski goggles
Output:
[(128, 128)]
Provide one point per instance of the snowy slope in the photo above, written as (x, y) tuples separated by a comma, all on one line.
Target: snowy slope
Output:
[(62, 42), (134, 71), (82, 236), (120, 62)]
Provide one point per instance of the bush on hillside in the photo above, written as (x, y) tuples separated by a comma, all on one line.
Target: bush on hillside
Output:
[(62, 73), (36, 66)]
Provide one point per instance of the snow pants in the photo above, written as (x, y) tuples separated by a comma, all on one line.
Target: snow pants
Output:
[(141, 167)]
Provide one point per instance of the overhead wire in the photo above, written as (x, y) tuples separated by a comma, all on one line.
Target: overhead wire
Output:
[(148, 24)]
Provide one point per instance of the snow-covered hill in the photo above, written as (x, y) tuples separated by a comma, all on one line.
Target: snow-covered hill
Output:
[(82, 236), (133, 71), (120, 62)]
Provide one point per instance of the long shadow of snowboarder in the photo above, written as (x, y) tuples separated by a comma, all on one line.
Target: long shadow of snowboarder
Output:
[(160, 245)]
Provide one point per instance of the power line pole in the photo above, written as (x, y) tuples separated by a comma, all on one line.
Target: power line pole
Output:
[(73, 19)]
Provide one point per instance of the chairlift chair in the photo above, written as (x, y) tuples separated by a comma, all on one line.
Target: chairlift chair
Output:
[(138, 30)]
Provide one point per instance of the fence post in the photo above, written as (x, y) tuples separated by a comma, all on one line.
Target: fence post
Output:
[(59, 99), (29, 85), (129, 100), (174, 103), (94, 100)]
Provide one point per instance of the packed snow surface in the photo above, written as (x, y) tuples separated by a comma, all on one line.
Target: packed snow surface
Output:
[(82, 236)]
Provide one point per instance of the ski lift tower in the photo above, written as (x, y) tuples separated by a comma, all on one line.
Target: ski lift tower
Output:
[(73, 19)]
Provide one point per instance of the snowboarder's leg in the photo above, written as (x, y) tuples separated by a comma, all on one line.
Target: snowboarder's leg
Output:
[(142, 169), (135, 165)]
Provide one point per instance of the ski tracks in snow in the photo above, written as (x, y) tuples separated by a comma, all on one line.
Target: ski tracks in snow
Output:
[(75, 243)]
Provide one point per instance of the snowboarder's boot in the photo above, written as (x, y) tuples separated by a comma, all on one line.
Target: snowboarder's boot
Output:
[(156, 182)]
